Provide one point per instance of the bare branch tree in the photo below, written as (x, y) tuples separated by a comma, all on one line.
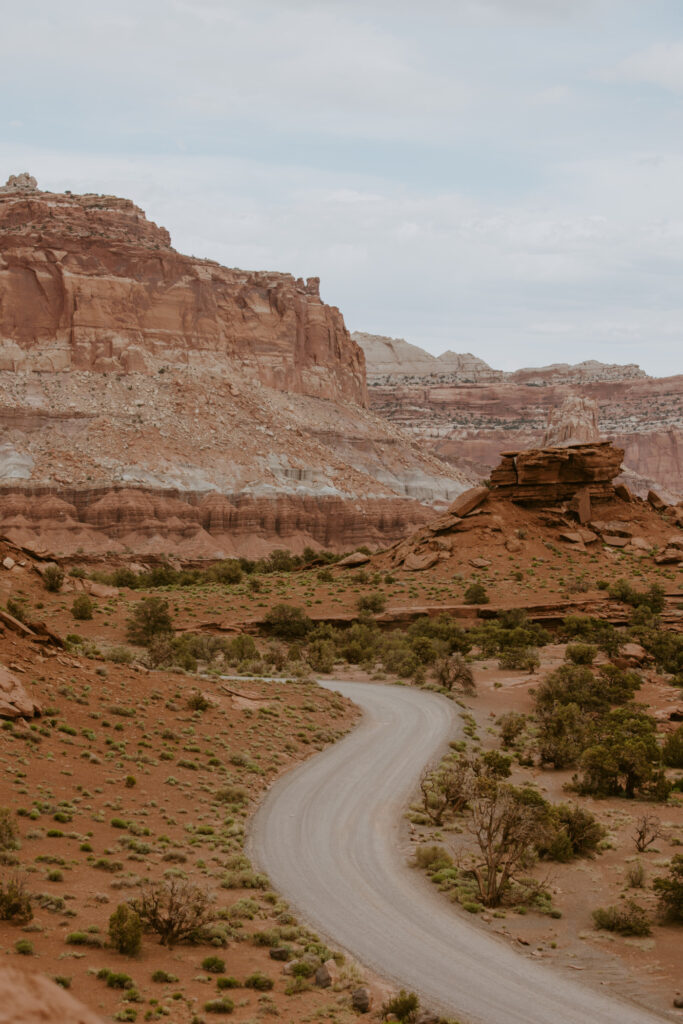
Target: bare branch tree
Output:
[(174, 908), (648, 830)]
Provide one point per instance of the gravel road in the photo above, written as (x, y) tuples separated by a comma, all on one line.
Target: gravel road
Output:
[(328, 835)]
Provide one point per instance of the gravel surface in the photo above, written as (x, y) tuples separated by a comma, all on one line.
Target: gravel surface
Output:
[(329, 835)]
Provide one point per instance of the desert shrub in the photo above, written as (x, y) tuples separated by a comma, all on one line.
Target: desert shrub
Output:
[(571, 832), (228, 571), (443, 631), (82, 607), (213, 964), (229, 982), (635, 875), (592, 630), (375, 602), (321, 655), (652, 598), (476, 594), (24, 947), (287, 622), (197, 701), (403, 1006), (222, 1005), (15, 900), (511, 725), (454, 671), (232, 795), (581, 654), (524, 659), (150, 618), (163, 977), (120, 655), (53, 577), (9, 837), (125, 930), (242, 648), (175, 908), (669, 890), (259, 982), (672, 751), (562, 735), (628, 919), (432, 858)]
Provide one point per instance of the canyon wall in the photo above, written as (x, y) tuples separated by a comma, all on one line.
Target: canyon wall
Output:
[(468, 423)]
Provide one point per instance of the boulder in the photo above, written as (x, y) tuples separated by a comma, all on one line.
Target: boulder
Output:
[(640, 544), (480, 563), (282, 953), (614, 541), (571, 537), (361, 1000), (513, 544), (670, 556), (657, 503), (581, 505), (14, 700), (468, 501), (634, 653), (622, 492), (327, 974), (355, 558), (416, 562), (8, 563)]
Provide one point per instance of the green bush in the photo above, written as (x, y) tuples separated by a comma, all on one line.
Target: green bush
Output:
[(375, 602), (53, 578), (259, 982), (24, 947), (523, 659), (627, 919), (476, 594), (287, 622), (404, 1006), (125, 930), (669, 890), (9, 839), (15, 900), (213, 964), (229, 982), (581, 654), (672, 751), (222, 1005), (82, 607), (163, 977), (150, 618)]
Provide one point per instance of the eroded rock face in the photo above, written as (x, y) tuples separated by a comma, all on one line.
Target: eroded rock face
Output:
[(551, 475), (574, 422), (87, 282), (34, 999)]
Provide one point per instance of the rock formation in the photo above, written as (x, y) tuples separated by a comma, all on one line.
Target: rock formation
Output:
[(551, 475), (158, 403), (467, 423), (14, 700), (574, 422)]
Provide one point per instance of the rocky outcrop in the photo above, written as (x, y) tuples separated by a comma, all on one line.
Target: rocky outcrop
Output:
[(87, 282), (393, 359), (551, 475)]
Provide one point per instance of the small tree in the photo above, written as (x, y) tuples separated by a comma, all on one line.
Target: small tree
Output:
[(670, 890), (648, 830), (53, 577), (82, 607), (454, 671), (287, 622), (175, 909), (506, 828), (15, 900), (151, 618), (672, 751), (125, 930)]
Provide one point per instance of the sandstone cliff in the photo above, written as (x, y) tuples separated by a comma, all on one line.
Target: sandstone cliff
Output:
[(155, 402)]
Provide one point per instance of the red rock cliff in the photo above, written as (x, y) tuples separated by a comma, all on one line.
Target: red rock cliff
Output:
[(87, 282)]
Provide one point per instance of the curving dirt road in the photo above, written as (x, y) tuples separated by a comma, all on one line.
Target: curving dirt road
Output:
[(328, 836)]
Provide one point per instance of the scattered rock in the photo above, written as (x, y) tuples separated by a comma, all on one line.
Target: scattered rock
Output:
[(622, 492), (361, 1000), (670, 556), (571, 537), (657, 503), (8, 563), (468, 501), (424, 560), (327, 974), (634, 653), (280, 953), (614, 541), (480, 563), (14, 700)]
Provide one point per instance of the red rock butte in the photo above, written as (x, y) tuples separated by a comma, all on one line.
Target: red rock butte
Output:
[(156, 403)]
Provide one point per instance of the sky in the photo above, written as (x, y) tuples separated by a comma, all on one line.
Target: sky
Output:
[(501, 177)]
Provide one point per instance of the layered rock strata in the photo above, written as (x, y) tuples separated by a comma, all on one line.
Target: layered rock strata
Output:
[(547, 476)]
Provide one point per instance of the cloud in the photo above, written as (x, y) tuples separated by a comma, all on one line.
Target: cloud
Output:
[(661, 65)]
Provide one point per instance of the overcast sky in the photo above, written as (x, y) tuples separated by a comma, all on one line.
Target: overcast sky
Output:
[(503, 177)]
